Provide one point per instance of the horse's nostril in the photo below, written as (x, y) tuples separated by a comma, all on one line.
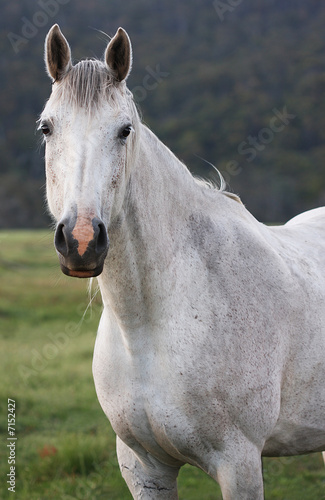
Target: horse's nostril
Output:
[(60, 241), (102, 239)]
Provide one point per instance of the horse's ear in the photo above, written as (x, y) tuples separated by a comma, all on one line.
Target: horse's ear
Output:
[(118, 55), (57, 54)]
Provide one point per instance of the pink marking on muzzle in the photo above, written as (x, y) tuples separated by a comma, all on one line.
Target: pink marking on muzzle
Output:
[(83, 232)]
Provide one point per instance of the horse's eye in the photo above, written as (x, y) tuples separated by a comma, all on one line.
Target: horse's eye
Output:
[(126, 131), (45, 129)]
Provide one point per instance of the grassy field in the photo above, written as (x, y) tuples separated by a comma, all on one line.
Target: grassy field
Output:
[(65, 448)]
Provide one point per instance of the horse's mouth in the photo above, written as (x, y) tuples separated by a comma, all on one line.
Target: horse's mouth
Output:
[(81, 273)]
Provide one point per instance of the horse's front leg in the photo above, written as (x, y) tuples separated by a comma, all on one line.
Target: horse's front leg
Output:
[(239, 473), (147, 479)]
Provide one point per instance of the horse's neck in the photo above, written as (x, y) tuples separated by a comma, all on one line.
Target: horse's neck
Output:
[(144, 239), (165, 214), (159, 191)]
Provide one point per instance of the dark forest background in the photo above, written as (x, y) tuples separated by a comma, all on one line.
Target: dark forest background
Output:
[(240, 83)]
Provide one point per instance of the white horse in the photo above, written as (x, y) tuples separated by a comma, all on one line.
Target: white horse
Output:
[(211, 346)]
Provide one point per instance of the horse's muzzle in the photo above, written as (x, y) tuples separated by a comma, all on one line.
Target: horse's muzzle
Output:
[(82, 245)]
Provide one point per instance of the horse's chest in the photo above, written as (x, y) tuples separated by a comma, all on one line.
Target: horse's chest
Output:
[(146, 406), (144, 415)]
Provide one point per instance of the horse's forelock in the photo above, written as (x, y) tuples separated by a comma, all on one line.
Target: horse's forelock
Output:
[(87, 84)]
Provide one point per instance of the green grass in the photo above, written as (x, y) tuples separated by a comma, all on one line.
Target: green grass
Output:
[(66, 447)]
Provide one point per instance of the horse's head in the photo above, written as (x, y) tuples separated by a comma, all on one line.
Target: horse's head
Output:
[(89, 124)]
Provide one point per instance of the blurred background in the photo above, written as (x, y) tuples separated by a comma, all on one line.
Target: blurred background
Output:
[(240, 83)]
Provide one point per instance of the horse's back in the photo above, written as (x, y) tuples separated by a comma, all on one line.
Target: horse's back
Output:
[(302, 239), (315, 217)]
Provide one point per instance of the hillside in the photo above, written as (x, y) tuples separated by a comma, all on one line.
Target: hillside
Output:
[(237, 82)]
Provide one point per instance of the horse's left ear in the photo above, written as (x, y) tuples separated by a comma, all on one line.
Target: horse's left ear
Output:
[(118, 55)]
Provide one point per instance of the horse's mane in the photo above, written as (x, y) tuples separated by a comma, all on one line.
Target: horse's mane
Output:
[(218, 187)]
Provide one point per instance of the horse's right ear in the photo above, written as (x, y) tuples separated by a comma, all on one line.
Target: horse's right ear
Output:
[(57, 54)]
